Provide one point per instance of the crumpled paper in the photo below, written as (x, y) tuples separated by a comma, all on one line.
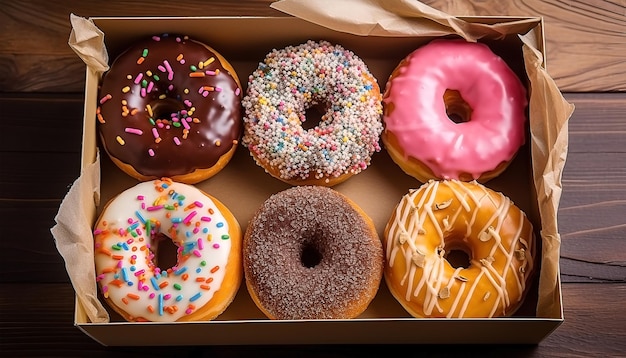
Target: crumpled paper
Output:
[(73, 225), (549, 143), (400, 18), (549, 137), (87, 41)]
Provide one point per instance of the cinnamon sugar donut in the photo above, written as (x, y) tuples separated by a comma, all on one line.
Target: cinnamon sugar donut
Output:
[(311, 253)]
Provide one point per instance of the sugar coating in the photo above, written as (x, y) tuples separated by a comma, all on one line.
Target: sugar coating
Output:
[(290, 81), (351, 255)]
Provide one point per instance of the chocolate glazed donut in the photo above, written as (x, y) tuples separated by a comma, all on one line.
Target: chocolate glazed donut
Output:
[(312, 253), (170, 106)]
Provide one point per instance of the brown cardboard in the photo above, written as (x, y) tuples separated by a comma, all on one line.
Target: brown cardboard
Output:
[(243, 186)]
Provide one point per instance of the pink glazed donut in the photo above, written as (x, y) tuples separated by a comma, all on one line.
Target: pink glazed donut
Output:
[(454, 110)]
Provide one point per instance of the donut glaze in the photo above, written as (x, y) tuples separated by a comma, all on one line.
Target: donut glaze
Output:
[(441, 217), (454, 76), (170, 106), (208, 270), (287, 83), (346, 269)]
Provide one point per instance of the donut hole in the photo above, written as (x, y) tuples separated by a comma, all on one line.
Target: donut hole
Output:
[(457, 109), (164, 108), (310, 255), (165, 255), (313, 116), (458, 256)]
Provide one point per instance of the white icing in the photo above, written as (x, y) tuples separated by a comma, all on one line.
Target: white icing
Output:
[(194, 224)]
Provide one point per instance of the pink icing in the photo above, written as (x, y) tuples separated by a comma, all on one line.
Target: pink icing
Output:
[(492, 135)]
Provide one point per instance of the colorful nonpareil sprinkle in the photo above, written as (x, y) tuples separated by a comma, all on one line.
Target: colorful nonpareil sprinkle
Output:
[(294, 79)]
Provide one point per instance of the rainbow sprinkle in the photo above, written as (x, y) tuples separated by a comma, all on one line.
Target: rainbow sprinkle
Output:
[(151, 79), (124, 254)]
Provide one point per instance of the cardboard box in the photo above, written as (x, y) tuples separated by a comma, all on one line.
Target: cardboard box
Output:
[(243, 186)]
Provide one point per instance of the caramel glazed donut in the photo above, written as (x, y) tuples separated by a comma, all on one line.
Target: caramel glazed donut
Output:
[(290, 81), (312, 253), (208, 270), (441, 217), (170, 107)]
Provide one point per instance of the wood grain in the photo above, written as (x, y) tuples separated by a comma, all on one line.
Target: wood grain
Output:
[(594, 181), (57, 128), (573, 30), (41, 320), (34, 55)]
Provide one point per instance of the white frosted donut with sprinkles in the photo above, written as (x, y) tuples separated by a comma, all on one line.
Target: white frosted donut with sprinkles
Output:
[(292, 80), (208, 270)]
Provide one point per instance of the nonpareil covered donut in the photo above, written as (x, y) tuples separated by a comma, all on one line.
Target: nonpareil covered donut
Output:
[(454, 110), (291, 81), (444, 218), (312, 253), (170, 106), (208, 268)]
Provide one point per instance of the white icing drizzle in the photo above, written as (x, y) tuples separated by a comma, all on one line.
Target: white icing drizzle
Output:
[(428, 209), (458, 295), (125, 245)]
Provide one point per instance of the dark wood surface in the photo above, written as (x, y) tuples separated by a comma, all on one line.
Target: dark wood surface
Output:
[(41, 113), (585, 38)]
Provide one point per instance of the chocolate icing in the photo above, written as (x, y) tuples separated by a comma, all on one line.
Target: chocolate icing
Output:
[(213, 128)]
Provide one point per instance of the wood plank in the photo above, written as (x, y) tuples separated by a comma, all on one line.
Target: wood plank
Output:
[(586, 328), (590, 235), (41, 122), (577, 270), (586, 47), (41, 320), (34, 55), (594, 182), (597, 128), (27, 249), (37, 175), (42, 72)]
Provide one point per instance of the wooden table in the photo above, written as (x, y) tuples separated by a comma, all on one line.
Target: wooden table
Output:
[(41, 101)]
